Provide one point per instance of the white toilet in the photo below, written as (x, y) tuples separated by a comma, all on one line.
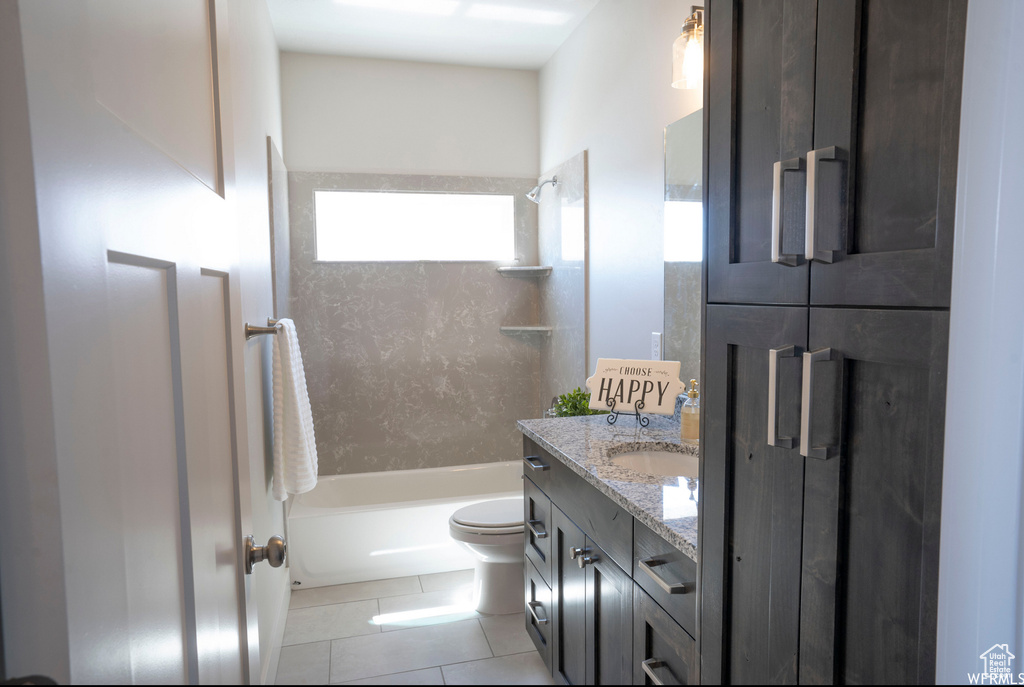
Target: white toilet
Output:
[(493, 532)]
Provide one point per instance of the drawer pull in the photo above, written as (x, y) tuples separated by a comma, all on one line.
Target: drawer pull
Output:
[(539, 534), (648, 565), (650, 665), (533, 606), (535, 463)]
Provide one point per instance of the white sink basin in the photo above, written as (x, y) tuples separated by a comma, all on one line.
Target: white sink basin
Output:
[(663, 463)]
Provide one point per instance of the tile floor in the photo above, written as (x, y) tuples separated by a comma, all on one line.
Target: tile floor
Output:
[(417, 630)]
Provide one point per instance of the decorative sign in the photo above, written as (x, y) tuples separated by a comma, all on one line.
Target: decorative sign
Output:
[(627, 386)]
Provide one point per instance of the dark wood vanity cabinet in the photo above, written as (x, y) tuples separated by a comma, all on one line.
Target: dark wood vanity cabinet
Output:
[(593, 610), (831, 168), (832, 149), (591, 622)]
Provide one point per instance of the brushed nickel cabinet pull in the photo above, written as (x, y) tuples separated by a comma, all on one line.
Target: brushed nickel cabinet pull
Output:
[(539, 534), (779, 169), (648, 565), (649, 667), (807, 402), (811, 250), (535, 464), (774, 355), (533, 606)]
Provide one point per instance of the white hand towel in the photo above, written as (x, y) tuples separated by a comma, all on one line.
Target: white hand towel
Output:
[(295, 463)]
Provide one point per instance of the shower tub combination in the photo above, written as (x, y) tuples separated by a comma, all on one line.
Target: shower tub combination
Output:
[(378, 525)]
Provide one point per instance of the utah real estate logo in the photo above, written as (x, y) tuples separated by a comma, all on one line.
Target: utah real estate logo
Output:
[(998, 668)]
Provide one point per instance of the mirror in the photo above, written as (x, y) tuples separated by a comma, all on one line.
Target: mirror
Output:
[(684, 230)]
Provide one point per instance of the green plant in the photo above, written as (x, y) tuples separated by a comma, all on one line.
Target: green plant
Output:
[(574, 403)]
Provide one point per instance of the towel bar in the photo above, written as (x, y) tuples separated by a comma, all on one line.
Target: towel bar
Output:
[(253, 330)]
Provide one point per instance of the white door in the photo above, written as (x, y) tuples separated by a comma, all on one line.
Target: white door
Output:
[(139, 263)]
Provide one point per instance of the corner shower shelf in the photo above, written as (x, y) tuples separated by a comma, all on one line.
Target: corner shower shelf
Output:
[(525, 271), (546, 331)]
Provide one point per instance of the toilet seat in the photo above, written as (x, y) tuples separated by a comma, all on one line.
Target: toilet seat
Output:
[(489, 518)]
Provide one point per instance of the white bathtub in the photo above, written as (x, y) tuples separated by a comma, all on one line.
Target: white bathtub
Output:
[(377, 525)]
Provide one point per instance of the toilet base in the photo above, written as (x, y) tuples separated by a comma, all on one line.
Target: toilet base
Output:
[(498, 587)]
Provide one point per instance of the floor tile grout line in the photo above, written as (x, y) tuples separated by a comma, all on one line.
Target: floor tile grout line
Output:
[(486, 638)]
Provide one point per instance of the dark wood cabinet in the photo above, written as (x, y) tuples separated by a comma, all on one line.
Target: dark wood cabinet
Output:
[(663, 652), (569, 593), (831, 167), (581, 613), (832, 150), (752, 496), (609, 619), (593, 602), (822, 569), (538, 613), (872, 506)]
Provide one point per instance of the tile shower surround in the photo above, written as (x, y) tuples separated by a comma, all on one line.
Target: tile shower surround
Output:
[(405, 364)]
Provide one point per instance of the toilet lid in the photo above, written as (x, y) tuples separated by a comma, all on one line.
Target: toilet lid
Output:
[(496, 513)]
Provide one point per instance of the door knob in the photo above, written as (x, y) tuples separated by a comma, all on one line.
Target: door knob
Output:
[(575, 551), (274, 552)]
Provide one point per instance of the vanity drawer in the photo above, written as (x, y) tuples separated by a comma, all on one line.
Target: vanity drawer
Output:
[(537, 528), (537, 463), (538, 613), (663, 652), (668, 575), (593, 512)]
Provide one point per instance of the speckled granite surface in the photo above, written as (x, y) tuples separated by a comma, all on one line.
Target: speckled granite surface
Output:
[(588, 445)]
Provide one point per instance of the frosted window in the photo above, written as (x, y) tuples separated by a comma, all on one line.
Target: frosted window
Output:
[(684, 231), (371, 226)]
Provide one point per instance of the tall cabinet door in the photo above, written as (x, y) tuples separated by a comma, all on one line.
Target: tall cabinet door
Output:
[(876, 394), (761, 72), (569, 601), (882, 173), (752, 494)]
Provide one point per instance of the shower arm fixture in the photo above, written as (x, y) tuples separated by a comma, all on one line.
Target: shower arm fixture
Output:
[(534, 195)]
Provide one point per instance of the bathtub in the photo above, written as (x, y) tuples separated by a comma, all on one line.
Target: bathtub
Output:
[(378, 525)]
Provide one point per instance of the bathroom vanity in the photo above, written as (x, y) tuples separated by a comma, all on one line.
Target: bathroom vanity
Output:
[(611, 549)]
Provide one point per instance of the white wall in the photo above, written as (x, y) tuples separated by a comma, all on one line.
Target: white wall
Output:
[(256, 111), (344, 114), (981, 578), (607, 89)]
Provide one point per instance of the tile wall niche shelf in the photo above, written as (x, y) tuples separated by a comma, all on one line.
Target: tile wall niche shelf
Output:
[(545, 331), (524, 271)]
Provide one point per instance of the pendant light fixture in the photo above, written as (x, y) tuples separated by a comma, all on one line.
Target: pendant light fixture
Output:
[(688, 52)]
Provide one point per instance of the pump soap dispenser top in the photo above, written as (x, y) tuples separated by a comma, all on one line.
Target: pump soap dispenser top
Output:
[(690, 425)]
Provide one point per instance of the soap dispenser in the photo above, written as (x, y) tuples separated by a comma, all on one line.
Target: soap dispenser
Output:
[(690, 425)]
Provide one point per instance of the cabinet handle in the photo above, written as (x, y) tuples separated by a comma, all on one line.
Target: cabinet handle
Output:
[(577, 554), (774, 355), (535, 464), (650, 665), (539, 534), (648, 565), (807, 402), (811, 250), (533, 606), (780, 168)]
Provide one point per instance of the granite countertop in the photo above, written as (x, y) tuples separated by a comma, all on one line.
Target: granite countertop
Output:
[(587, 445)]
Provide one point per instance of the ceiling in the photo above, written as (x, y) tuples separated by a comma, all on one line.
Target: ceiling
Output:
[(513, 34)]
